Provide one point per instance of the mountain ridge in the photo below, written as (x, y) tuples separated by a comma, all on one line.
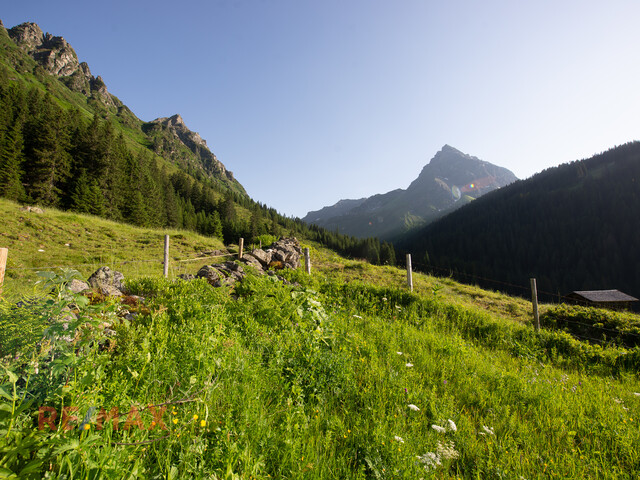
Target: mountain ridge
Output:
[(58, 58), (449, 180)]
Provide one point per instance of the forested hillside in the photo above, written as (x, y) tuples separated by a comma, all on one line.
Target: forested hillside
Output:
[(74, 146), (573, 227)]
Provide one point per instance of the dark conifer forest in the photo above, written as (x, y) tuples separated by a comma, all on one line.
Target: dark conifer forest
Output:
[(573, 227)]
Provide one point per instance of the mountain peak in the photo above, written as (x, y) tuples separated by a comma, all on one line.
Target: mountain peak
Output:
[(449, 180)]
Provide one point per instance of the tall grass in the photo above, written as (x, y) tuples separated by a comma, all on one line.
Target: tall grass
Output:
[(319, 380)]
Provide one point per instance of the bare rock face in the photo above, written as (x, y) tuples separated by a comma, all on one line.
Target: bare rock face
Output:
[(58, 58), (108, 282)]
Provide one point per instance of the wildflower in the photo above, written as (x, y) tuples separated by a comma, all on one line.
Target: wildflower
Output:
[(87, 426), (195, 417), (399, 353), (203, 423), (637, 394), (175, 421), (357, 316), (487, 431), (447, 451), (409, 365), (384, 299), (413, 407), (430, 460), (438, 428), (452, 425), (398, 439)]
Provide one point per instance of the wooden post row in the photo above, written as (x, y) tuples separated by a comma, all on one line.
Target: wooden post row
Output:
[(409, 274), (534, 301), (4, 253)]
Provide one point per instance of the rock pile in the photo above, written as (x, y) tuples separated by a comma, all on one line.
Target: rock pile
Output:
[(285, 253)]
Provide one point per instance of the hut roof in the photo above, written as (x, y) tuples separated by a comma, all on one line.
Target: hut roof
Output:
[(604, 296)]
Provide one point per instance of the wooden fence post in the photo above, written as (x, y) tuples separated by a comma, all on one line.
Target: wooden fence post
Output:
[(4, 253), (166, 256), (409, 275), (240, 247), (307, 260), (534, 301)]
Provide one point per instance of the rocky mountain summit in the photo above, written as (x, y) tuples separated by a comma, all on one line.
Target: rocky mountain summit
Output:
[(176, 127), (56, 56), (450, 180), (169, 136)]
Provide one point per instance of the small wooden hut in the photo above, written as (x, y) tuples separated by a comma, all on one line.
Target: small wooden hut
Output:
[(613, 299)]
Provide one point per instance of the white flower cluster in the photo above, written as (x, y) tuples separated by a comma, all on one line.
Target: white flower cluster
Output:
[(451, 425), (431, 460), (447, 451)]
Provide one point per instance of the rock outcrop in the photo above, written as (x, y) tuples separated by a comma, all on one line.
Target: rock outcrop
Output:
[(108, 282), (194, 142), (56, 56)]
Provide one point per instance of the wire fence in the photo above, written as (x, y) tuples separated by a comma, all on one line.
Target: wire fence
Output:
[(421, 267)]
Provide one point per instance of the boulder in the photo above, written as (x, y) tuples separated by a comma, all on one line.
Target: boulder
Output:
[(210, 273), (78, 286), (108, 282)]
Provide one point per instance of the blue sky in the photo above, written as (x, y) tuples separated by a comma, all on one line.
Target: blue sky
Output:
[(312, 101)]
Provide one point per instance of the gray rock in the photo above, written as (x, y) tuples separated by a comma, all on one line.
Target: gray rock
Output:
[(108, 282), (77, 286), (210, 273), (263, 257)]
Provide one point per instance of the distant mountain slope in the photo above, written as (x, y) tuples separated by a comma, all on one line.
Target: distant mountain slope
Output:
[(55, 57), (450, 180), (573, 227)]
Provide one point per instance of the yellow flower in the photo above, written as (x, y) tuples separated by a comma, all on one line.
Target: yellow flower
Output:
[(87, 426), (195, 417), (203, 423), (175, 420)]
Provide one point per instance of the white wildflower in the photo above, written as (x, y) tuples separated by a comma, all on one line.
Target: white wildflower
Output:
[(409, 365), (399, 353), (430, 460), (617, 400), (384, 299), (413, 407), (452, 426), (398, 439), (447, 451), (357, 316), (438, 428), (487, 430), (637, 394)]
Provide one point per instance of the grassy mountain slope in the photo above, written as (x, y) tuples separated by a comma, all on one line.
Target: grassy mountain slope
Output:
[(573, 227), (345, 376)]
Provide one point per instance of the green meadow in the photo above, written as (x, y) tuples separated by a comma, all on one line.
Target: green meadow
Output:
[(341, 374)]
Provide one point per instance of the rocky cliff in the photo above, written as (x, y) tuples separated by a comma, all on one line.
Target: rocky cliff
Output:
[(58, 58)]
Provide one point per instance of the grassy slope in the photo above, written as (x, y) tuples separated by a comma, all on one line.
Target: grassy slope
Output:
[(86, 243), (314, 382)]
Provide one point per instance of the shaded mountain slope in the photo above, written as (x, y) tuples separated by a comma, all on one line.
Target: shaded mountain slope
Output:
[(573, 227)]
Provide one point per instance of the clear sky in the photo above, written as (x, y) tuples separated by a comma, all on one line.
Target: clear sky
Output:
[(312, 101)]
